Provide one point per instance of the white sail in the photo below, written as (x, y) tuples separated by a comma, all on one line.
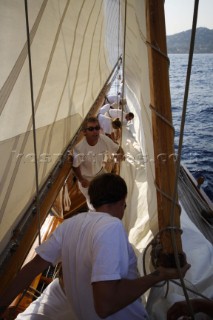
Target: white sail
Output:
[(74, 48)]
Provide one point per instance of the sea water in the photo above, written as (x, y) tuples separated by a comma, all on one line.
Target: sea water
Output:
[(197, 150)]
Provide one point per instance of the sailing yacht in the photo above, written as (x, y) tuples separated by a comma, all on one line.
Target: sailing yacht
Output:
[(58, 61)]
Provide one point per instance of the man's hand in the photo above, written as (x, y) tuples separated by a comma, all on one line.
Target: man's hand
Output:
[(120, 156), (181, 308), (84, 182), (177, 310), (172, 273)]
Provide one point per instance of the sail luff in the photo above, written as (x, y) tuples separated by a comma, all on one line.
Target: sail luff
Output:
[(163, 133)]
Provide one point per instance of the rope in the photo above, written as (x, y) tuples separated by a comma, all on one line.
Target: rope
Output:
[(192, 291), (153, 46), (195, 197), (197, 210), (123, 68), (167, 196), (119, 13), (162, 117), (33, 120)]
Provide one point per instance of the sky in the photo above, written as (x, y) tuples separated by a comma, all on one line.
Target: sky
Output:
[(179, 15)]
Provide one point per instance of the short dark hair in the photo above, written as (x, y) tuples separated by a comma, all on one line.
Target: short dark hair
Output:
[(107, 188), (90, 119), (116, 123), (131, 114)]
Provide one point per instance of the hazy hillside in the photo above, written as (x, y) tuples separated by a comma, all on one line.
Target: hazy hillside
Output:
[(180, 42)]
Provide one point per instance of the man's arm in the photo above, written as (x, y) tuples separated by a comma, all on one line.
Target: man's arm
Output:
[(23, 279), (84, 182), (111, 296), (120, 154)]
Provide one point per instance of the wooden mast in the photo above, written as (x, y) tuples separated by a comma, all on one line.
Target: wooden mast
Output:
[(163, 132)]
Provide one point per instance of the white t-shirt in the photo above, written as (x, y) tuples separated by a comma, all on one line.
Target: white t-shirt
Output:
[(91, 158), (93, 246), (105, 108), (52, 304), (105, 123), (117, 113), (114, 98)]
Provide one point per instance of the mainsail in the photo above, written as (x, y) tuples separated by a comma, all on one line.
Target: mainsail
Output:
[(73, 52)]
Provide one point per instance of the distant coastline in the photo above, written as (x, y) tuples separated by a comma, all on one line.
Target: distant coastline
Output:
[(180, 42)]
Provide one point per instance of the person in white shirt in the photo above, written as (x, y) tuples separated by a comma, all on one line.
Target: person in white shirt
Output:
[(110, 111), (99, 265), (125, 117), (113, 98), (90, 154), (117, 99), (104, 109), (109, 126)]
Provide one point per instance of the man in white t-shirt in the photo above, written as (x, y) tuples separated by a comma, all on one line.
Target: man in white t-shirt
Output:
[(99, 265), (110, 111), (105, 124), (116, 99), (112, 98), (109, 126), (104, 109), (91, 153), (118, 113)]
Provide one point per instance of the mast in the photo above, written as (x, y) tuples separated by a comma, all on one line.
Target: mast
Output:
[(163, 135)]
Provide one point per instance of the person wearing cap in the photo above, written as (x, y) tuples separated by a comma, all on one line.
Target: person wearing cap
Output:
[(99, 265), (90, 154)]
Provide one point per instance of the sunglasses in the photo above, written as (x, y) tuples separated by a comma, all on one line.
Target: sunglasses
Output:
[(93, 128)]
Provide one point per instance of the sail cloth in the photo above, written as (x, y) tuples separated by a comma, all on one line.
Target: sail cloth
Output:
[(74, 48), (199, 278)]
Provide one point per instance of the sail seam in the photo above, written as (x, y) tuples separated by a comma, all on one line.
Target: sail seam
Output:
[(13, 76)]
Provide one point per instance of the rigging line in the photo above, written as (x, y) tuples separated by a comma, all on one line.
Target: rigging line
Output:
[(156, 186), (119, 13), (158, 50), (174, 202), (33, 119), (191, 51), (162, 117), (196, 196), (123, 69), (192, 291), (153, 46)]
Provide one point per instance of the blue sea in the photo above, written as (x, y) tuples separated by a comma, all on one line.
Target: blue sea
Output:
[(197, 150)]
